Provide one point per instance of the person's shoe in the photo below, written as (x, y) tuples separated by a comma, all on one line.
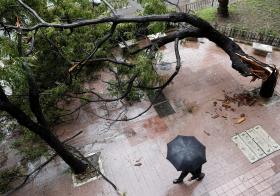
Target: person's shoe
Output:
[(201, 176), (177, 181), (192, 178)]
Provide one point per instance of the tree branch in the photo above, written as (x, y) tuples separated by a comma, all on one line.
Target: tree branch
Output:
[(34, 97), (33, 12), (109, 60), (99, 43)]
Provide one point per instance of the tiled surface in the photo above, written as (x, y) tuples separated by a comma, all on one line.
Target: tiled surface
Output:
[(206, 77)]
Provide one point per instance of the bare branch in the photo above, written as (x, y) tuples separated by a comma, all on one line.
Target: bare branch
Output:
[(111, 61), (174, 4), (110, 7), (174, 17), (102, 99), (181, 34), (98, 45), (33, 12)]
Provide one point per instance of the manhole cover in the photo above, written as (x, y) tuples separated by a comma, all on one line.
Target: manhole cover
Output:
[(156, 98), (255, 143), (164, 109), (161, 104), (164, 66)]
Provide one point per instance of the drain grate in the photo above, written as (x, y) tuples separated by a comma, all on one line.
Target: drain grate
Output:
[(255, 143), (161, 104), (157, 99), (164, 109)]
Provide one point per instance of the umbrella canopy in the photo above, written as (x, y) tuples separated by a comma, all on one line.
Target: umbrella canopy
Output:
[(186, 153)]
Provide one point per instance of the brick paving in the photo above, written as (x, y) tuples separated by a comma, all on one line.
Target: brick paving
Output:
[(206, 77)]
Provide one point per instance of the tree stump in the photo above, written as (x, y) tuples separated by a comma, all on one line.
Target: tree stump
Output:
[(223, 8), (268, 85)]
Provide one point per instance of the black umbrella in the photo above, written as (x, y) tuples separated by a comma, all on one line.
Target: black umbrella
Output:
[(186, 153)]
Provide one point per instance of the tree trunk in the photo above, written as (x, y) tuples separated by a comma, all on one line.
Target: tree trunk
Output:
[(76, 165), (268, 86), (223, 8)]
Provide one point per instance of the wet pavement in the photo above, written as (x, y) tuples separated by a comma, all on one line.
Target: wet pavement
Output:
[(197, 95)]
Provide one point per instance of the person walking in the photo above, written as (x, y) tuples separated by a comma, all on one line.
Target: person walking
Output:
[(197, 174), (187, 154)]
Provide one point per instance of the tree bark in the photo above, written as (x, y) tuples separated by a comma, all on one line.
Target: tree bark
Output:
[(223, 8), (268, 86)]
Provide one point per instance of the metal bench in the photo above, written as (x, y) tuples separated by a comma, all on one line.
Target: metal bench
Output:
[(261, 49), (155, 36)]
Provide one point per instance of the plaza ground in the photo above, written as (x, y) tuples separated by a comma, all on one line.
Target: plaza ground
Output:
[(197, 95)]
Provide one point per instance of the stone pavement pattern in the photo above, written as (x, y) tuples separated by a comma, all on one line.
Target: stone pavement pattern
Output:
[(206, 77)]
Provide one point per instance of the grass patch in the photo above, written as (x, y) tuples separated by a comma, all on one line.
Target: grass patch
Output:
[(252, 15), (208, 14)]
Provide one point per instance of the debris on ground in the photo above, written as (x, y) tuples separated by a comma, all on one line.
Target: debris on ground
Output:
[(190, 107), (206, 133), (240, 120), (242, 115), (242, 99), (231, 101), (137, 164), (216, 116), (225, 117)]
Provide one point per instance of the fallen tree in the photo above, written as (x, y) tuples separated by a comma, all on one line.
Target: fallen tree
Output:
[(101, 48)]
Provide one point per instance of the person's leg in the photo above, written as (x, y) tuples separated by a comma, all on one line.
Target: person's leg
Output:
[(181, 177), (197, 174)]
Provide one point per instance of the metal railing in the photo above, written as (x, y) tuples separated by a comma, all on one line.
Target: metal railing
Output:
[(249, 36), (204, 4)]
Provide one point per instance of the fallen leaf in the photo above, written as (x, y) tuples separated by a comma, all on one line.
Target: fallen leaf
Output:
[(138, 160), (206, 133), (252, 102), (240, 120), (137, 164), (216, 116), (242, 115)]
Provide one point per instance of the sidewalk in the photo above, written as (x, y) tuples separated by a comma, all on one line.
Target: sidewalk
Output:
[(206, 77)]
